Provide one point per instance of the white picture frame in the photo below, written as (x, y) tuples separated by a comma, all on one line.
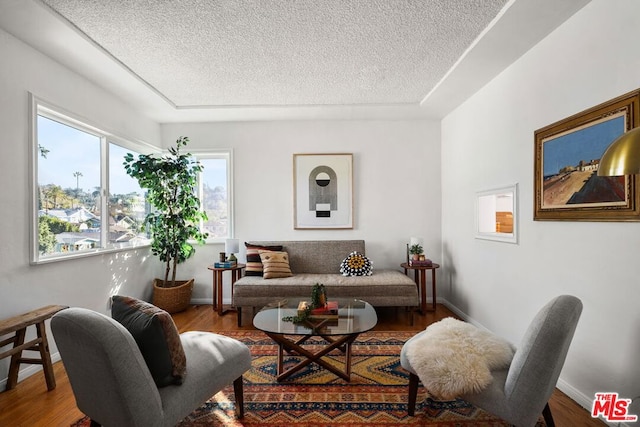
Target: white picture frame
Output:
[(323, 191), (497, 214)]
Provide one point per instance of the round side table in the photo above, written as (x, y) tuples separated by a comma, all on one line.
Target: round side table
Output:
[(420, 276), (236, 273)]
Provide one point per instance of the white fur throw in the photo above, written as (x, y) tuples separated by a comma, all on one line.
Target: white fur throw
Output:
[(453, 357)]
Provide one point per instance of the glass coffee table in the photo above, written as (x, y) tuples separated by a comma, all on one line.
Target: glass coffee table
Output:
[(354, 318)]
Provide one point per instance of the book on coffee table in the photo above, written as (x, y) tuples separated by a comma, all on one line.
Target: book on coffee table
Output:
[(329, 311)]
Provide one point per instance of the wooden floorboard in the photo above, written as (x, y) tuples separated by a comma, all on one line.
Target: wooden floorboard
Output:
[(30, 404)]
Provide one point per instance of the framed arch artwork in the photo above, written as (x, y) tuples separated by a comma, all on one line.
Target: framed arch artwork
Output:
[(323, 191)]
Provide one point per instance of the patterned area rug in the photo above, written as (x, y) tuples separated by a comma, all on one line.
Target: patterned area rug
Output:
[(375, 397)]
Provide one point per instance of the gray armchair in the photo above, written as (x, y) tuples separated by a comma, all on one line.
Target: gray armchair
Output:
[(111, 381), (520, 393)]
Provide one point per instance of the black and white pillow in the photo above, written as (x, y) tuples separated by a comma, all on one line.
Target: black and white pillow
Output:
[(356, 264)]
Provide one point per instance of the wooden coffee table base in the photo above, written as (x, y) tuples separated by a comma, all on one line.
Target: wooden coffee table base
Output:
[(342, 342)]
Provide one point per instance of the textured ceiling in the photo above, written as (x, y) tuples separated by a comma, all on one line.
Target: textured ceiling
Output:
[(203, 60), (275, 52)]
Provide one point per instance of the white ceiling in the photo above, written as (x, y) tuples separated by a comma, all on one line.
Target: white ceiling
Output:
[(206, 60)]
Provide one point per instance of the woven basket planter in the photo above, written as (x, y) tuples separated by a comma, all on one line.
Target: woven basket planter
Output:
[(172, 299)]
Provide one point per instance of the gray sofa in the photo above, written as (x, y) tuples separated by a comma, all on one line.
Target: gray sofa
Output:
[(318, 261)]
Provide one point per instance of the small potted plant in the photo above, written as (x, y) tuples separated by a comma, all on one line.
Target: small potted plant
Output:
[(415, 250), (318, 300), (171, 182)]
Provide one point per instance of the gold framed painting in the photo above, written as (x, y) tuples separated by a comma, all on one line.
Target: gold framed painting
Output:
[(567, 155), (323, 191)]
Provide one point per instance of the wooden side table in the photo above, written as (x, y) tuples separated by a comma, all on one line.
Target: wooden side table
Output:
[(420, 276), (18, 325), (236, 273)]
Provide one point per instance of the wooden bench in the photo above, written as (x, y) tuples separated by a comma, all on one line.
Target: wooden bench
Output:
[(18, 325)]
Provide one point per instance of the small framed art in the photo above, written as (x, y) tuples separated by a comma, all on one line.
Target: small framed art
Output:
[(497, 214)]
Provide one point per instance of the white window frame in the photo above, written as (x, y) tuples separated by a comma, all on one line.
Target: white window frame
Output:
[(39, 107), (486, 209), (221, 153)]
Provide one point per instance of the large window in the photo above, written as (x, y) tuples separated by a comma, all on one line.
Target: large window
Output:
[(85, 203), (127, 202), (83, 200), (215, 194)]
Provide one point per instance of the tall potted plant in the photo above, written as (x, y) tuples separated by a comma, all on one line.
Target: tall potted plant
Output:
[(171, 183)]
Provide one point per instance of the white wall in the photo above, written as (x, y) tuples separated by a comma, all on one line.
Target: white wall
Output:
[(400, 191), (396, 187), (86, 282), (488, 142), (396, 184)]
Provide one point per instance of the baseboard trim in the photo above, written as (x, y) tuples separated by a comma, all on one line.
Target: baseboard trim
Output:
[(202, 301), (464, 316), (28, 371), (580, 398)]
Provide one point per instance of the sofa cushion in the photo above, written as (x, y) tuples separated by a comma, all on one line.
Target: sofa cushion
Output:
[(384, 288), (156, 335), (356, 264), (254, 263), (275, 264)]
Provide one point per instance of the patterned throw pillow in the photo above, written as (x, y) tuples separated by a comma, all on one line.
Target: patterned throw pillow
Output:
[(156, 336), (275, 264), (254, 264), (356, 264)]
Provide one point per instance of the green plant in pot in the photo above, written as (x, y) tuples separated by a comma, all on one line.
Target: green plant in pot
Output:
[(171, 183), (415, 251), (318, 299)]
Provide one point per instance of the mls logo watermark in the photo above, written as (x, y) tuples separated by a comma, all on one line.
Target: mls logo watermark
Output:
[(612, 408)]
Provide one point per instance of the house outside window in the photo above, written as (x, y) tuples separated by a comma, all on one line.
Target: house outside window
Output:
[(216, 193), (84, 203)]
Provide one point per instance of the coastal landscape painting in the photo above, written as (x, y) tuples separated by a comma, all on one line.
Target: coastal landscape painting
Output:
[(570, 165), (568, 153)]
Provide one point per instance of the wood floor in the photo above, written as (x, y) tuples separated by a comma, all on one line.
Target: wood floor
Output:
[(29, 404)]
